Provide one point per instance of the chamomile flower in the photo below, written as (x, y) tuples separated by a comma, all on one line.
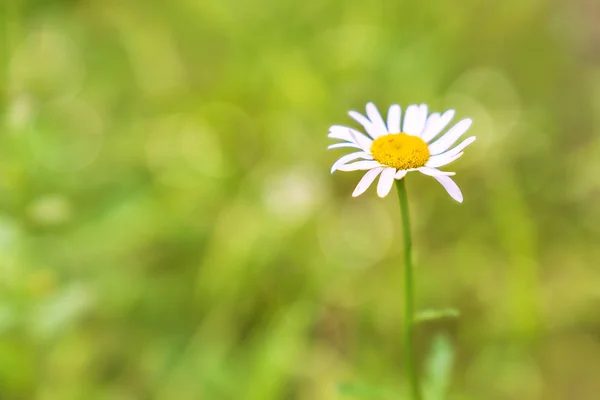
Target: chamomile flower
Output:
[(390, 152)]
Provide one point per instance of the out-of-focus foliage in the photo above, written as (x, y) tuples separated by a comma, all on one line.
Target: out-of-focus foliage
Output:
[(169, 228)]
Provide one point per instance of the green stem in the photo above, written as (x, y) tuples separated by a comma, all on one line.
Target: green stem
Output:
[(409, 309)]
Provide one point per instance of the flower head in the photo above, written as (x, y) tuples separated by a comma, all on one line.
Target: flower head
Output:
[(389, 152)]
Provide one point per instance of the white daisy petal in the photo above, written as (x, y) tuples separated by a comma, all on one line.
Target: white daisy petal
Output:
[(393, 118), (436, 126), (448, 139), (366, 181), (378, 126), (414, 119), (340, 132), (431, 124), (350, 157), (451, 187), (359, 165), (386, 181), (442, 159), (401, 174), (340, 145), (351, 135), (460, 147), (434, 172), (422, 118), (364, 121), (411, 120), (358, 117), (361, 140)]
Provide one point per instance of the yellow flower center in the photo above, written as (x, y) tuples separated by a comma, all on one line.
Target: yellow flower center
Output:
[(400, 151)]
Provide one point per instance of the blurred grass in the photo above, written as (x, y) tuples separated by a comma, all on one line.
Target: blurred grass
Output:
[(169, 228)]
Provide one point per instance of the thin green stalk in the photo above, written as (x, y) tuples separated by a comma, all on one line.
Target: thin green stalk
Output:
[(409, 309)]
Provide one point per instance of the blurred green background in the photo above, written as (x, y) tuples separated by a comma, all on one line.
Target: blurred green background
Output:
[(169, 228)]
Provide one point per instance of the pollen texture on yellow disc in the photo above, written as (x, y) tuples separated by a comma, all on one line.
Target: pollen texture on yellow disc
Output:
[(400, 151)]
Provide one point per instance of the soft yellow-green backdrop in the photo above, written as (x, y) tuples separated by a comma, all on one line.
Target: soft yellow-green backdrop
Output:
[(169, 228)]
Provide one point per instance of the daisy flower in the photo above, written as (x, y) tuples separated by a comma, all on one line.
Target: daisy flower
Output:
[(389, 152)]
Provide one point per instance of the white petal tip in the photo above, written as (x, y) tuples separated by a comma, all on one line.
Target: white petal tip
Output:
[(451, 187), (381, 195)]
